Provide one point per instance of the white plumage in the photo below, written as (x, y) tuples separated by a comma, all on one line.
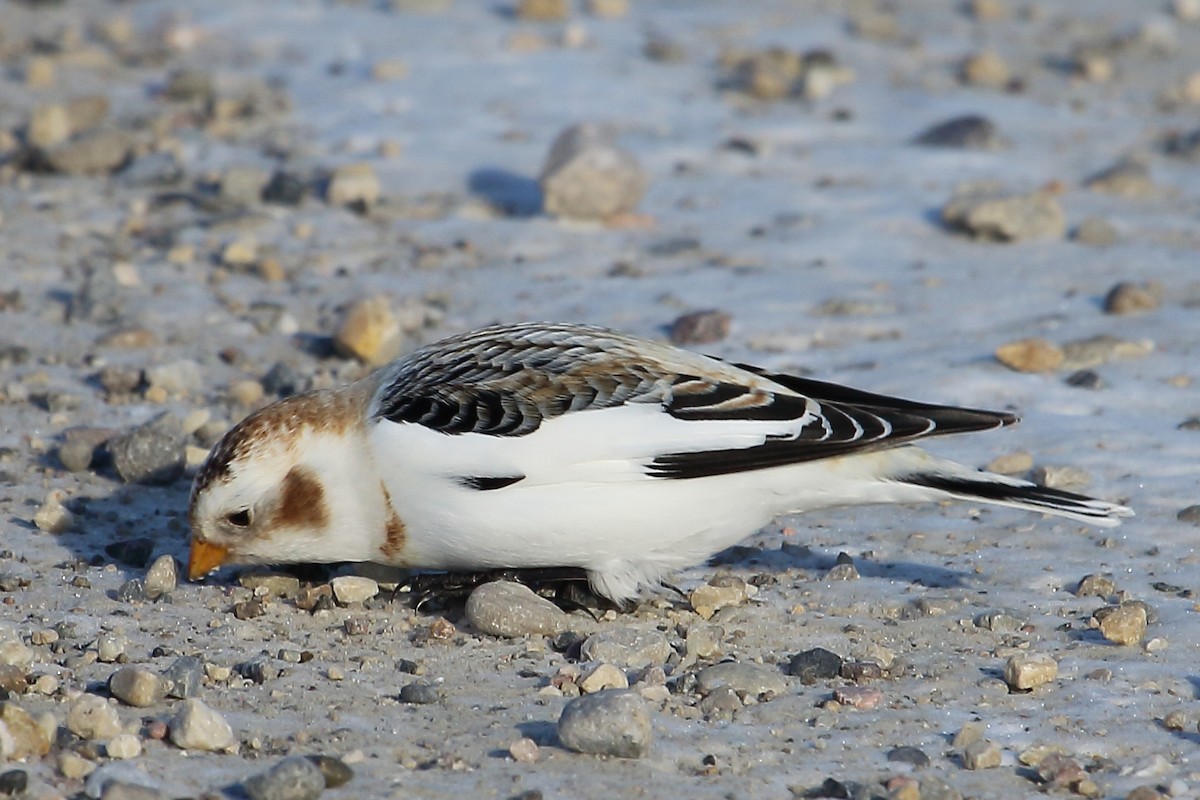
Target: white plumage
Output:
[(552, 445)]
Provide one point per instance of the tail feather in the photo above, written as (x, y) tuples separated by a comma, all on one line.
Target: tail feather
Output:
[(1005, 491)]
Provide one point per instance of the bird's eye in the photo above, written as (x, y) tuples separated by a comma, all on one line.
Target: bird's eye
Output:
[(239, 519)]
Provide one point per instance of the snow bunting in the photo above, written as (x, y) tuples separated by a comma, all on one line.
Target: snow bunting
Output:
[(558, 445)]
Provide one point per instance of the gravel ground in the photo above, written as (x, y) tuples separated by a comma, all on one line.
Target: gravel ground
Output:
[(205, 207)]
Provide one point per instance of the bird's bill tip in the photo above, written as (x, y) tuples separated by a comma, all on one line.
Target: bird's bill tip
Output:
[(205, 557)]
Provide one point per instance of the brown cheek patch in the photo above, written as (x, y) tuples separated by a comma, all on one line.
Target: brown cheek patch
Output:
[(301, 501), (393, 530)]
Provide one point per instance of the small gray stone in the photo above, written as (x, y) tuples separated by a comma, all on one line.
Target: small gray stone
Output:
[(970, 132), (1129, 179), (700, 327), (1190, 515), (587, 177), (336, 772), (161, 578), (293, 778), (119, 790), (95, 152), (153, 453), (243, 185), (627, 647), (748, 680), (420, 693), (1095, 232), (184, 677), (123, 781), (504, 608), (136, 686), (906, 754), (76, 455), (933, 788), (1005, 218), (614, 722)]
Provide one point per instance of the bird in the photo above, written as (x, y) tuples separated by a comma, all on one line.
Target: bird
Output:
[(544, 445)]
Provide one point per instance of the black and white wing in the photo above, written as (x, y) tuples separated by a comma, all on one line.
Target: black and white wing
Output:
[(507, 381)]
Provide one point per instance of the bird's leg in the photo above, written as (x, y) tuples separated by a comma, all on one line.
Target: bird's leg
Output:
[(567, 587)]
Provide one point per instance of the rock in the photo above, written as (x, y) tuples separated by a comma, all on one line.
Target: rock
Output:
[(53, 517), (1124, 624), (87, 112), (190, 86), (524, 751), (1131, 298), (970, 132), (610, 723), (48, 126), (815, 665), (603, 676), (504, 608), (981, 755), (1011, 463), (26, 738), (1031, 355), (1095, 585), (703, 641), (162, 577), (369, 332), (353, 589), (1095, 232), (1086, 379), (92, 717), (152, 453), (284, 189), (1097, 350), (542, 10), (1029, 670), (420, 693), (242, 185), (335, 770), (123, 746), (608, 9), (1128, 179), (176, 377), (110, 647), (74, 766), (863, 698), (353, 185), (12, 679), (985, 69), (700, 327), (293, 778), (270, 583), (183, 678), (588, 177), (14, 653), (906, 754), (121, 781), (748, 680), (627, 647), (1005, 218), (96, 152), (1190, 515), (197, 727), (1059, 477), (721, 704), (136, 686)]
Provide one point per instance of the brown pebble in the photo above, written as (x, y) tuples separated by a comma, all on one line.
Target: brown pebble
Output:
[(1028, 670), (986, 69), (861, 697), (1031, 355), (1131, 298), (369, 332), (700, 327), (1125, 624)]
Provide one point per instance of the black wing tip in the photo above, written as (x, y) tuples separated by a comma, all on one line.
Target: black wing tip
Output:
[(488, 483)]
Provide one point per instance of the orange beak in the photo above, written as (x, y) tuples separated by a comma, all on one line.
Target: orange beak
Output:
[(204, 558)]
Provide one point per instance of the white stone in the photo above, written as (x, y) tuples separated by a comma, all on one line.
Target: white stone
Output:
[(353, 589), (93, 717), (198, 727), (124, 745)]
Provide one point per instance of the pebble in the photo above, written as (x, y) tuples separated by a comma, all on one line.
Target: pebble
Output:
[(970, 132), (110, 647), (1146, 793), (814, 665), (178, 377), (1190, 515), (1095, 232), (270, 583), (93, 717), (1124, 624), (586, 176), (985, 69), (721, 704), (1025, 671), (505, 608), (353, 185), (1131, 298), (1096, 350), (601, 677), (152, 453), (284, 189), (293, 778), (700, 327), (543, 10), (242, 185), (524, 751), (420, 693), (1060, 771), (1096, 585), (1128, 179), (183, 678), (863, 698), (1011, 463), (25, 737), (703, 641), (12, 679), (1030, 355), (161, 578), (1061, 477), (336, 770), (1085, 379), (981, 755), (353, 589), (96, 152), (1005, 218), (48, 126), (369, 332), (52, 516), (124, 745), (614, 722), (627, 647), (906, 754), (748, 680), (73, 766), (197, 727), (136, 686)]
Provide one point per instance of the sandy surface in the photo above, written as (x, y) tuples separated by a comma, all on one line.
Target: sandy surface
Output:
[(814, 222)]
